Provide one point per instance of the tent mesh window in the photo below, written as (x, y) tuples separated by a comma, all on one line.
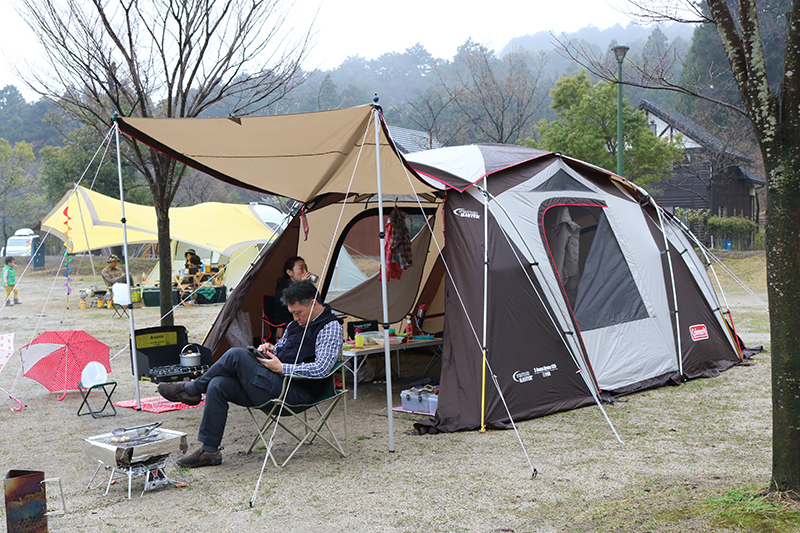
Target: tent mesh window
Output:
[(597, 280)]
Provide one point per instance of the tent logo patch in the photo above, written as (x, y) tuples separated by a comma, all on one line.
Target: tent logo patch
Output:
[(466, 213), (699, 332), (545, 371), (521, 376)]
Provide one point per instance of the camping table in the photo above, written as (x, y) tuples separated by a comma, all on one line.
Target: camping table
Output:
[(435, 344)]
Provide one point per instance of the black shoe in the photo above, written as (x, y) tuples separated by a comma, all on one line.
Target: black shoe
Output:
[(174, 392), (9, 303), (199, 458), (17, 302)]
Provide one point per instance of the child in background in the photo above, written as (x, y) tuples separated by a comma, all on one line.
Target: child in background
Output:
[(10, 282)]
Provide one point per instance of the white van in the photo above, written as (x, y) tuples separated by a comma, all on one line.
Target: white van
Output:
[(23, 243)]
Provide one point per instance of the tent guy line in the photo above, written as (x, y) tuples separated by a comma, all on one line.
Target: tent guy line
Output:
[(590, 385), (475, 334), (302, 339)]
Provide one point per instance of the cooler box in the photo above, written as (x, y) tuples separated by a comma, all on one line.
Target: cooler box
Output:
[(150, 297), (418, 400)]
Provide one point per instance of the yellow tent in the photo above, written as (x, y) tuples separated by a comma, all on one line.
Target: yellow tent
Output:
[(89, 220)]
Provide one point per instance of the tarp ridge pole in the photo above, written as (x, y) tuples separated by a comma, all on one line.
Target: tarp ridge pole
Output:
[(485, 301), (134, 362), (384, 280)]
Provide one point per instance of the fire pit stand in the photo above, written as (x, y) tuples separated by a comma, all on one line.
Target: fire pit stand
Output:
[(154, 473), (136, 453)]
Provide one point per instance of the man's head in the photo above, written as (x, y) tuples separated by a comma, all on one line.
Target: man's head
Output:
[(113, 261), (300, 299), (195, 261), (10, 261)]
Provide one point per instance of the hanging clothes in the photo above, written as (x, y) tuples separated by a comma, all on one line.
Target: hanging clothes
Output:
[(397, 247), (304, 223)]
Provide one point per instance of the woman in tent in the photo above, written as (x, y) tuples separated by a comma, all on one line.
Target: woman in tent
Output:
[(294, 269)]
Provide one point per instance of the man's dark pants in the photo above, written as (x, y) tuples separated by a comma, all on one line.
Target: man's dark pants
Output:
[(239, 378)]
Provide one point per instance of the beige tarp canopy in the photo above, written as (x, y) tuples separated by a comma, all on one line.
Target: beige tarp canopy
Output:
[(94, 222), (301, 156)]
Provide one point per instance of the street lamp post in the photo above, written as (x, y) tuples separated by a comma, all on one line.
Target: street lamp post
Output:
[(619, 53)]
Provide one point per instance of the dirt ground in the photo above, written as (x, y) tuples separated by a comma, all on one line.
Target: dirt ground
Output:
[(682, 445)]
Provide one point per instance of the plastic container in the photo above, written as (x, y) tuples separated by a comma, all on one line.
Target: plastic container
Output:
[(424, 402)]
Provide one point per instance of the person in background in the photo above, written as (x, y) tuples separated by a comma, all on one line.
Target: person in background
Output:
[(309, 348), (112, 273), (294, 269), (188, 256), (10, 282), (194, 263)]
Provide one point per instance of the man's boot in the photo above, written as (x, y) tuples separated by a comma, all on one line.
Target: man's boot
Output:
[(9, 303), (17, 302)]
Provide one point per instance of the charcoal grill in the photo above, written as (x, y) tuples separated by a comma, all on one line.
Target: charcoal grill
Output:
[(134, 453)]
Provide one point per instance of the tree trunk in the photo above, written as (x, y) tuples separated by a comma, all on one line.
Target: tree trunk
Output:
[(782, 163), (165, 265)]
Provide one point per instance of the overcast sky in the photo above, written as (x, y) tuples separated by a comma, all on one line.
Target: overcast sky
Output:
[(370, 28)]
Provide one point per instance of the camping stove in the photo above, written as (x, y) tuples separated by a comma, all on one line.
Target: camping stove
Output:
[(136, 453)]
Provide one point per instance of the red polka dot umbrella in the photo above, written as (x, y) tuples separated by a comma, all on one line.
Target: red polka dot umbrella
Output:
[(56, 358)]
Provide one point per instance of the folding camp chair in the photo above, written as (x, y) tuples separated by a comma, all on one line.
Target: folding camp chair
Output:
[(277, 410), (267, 302)]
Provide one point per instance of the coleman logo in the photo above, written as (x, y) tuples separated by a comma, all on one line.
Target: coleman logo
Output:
[(521, 376), (466, 213), (699, 332), (545, 371)]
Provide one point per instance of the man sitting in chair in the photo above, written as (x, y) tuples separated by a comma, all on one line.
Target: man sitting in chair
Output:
[(112, 273), (309, 347)]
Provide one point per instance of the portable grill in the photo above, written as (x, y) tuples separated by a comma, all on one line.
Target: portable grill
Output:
[(136, 452)]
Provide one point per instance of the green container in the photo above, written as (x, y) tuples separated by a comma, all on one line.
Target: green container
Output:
[(151, 297)]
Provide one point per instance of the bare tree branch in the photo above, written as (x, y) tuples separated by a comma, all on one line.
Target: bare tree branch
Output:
[(644, 74), (163, 58)]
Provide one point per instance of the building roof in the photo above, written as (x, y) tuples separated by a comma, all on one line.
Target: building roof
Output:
[(692, 130), (750, 177), (410, 141)]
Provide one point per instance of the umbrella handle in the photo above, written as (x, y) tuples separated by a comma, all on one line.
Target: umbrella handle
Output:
[(59, 398), (13, 398), (16, 400)]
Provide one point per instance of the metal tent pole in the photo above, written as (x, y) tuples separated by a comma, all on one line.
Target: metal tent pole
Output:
[(85, 234), (674, 292), (134, 362), (384, 289), (485, 301)]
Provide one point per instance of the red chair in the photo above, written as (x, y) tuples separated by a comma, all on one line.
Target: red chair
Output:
[(267, 320)]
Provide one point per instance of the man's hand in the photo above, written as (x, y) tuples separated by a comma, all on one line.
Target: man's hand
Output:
[(271, 362), (266, 348)]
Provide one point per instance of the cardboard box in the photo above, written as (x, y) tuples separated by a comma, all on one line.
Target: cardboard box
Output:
[(420, 401)]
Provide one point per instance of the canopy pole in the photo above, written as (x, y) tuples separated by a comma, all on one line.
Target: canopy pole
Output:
[(85, 233), (384, 280), (484, 361), (134, 362)]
